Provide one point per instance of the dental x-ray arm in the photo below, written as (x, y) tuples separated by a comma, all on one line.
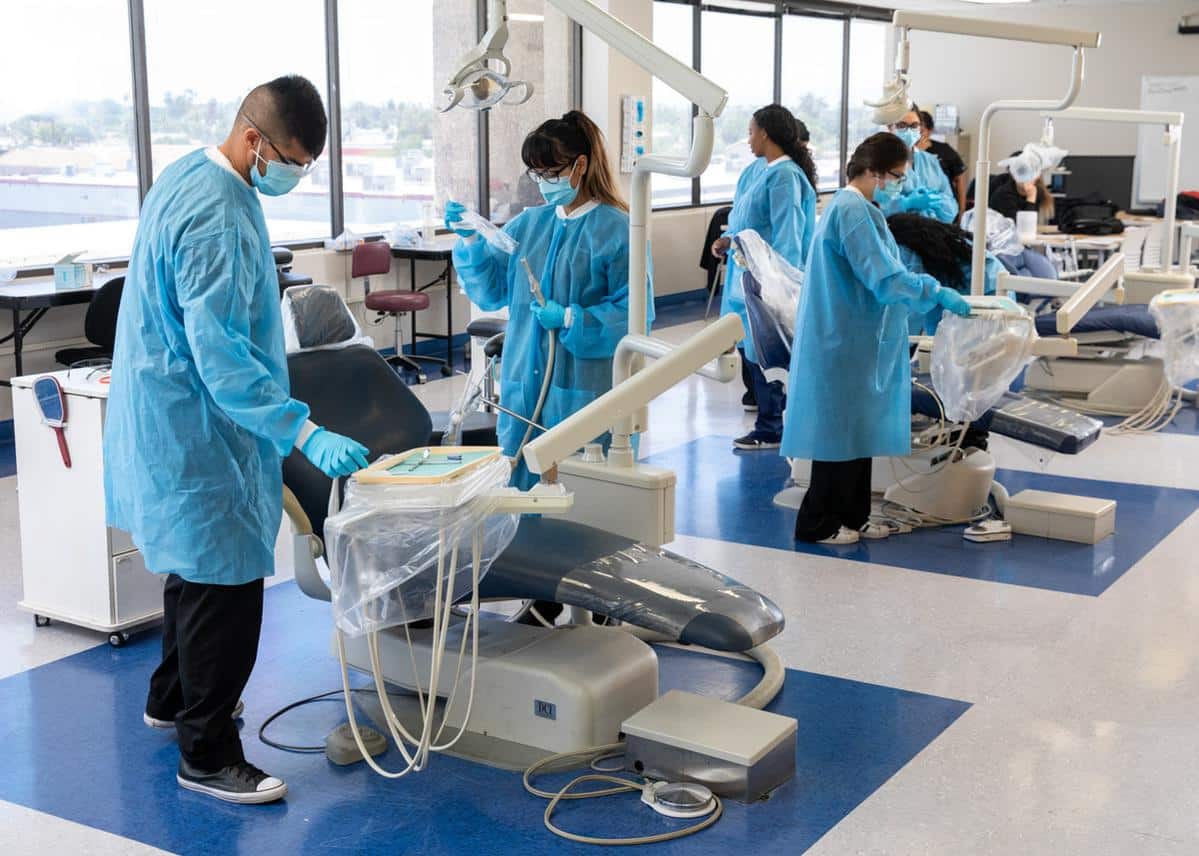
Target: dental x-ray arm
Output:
[(905, 22)]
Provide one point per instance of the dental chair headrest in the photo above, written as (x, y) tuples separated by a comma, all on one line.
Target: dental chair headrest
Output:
[(316, 317)]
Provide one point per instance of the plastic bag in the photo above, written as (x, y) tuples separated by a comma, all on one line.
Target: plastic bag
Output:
[(1177, 315), (491, 233), (472, 394), (1002, 237), (1033, 160), (779, 281), (386, 545), (403, 236), (343, 243), (315, 317), (976, 359)]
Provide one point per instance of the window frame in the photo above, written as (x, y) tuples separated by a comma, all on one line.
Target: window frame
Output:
[(777, 9)]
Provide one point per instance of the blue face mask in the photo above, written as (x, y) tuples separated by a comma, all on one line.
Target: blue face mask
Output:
[(280, 178), (557, 190), (910, 136), (890, 189)]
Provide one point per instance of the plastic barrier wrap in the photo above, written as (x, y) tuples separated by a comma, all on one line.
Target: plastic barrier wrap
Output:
[(1002, 238), (316, 316), (387, 543), (778, 280), (976, 359), (1177, 316), (491, 233)]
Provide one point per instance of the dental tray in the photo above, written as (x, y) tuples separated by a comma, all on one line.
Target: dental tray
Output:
[(427, 465)]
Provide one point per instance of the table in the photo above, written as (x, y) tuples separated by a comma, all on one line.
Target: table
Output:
[(39, 296), (440, 249)]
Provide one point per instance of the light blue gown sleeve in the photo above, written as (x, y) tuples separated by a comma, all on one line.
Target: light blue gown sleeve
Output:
[(946, 206), (991, 274), (483, 272), (595, 330), (213, 284), (787, 220), (882, 273)]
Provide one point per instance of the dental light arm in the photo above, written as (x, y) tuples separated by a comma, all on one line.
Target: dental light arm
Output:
[(485, 85), (543, 454), (1079, 40)]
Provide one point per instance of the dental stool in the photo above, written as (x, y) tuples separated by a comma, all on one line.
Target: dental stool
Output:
[(373, 258), (491, 331)]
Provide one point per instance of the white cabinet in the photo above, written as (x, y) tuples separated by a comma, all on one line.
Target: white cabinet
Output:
[(74, 567)]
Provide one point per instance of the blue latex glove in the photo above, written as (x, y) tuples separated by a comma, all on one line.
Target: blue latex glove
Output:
[(453, 219), (551, 316), (954, 302), (333, 454), (916, 201)]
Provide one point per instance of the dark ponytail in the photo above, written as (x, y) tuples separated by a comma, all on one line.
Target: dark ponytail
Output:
[(557, 143), (790, 135), (877, 153)]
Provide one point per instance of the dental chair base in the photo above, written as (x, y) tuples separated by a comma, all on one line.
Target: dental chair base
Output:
[(1142, 286), (635, 502), (544, 690), (1114, 385)]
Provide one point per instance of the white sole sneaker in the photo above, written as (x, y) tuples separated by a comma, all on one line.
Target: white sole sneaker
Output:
[(170, 723), (272, 789), (843, 537), (875, 532)]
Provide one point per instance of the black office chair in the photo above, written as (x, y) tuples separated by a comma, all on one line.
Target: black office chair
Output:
[(99, 325), (283, 259)]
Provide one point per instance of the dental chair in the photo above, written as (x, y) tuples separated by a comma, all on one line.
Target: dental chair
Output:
[(352, 390)]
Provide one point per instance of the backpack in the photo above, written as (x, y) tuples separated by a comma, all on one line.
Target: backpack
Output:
[(1088, 215)]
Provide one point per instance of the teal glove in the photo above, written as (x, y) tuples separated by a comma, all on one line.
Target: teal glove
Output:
[(917, 201), (453, 219), (333, 454), (551, 316), (949, 299)]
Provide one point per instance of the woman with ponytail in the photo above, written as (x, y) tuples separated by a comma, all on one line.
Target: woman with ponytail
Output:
[(775, 197), (577, 244)]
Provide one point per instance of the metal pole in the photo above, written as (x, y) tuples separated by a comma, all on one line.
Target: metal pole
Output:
[(141, 98), (778, 56), (483, 128), (846, 30), (337, 206), (697, 64)]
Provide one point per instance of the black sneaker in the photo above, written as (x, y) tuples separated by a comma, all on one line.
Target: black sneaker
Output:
[(748, 404), (755, 441), (240, 783)]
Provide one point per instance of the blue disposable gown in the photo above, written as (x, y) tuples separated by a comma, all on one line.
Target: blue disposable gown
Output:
[(850, 395), (925, 172), (928, 324), (583, 263), (776, 201), (199, 414)]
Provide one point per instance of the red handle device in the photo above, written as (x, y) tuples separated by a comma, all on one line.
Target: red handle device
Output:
[(62, 446)]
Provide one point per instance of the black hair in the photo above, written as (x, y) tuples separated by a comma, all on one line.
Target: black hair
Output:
[(557, 143), (789, 134), (926, 119), (299, 113), (877, 153), (943, 248)]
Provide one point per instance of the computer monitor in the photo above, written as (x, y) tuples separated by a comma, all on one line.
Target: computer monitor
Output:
[(1108, 175)]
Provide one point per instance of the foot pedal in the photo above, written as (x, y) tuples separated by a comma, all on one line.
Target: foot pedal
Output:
[(988, 530), (341, 749)]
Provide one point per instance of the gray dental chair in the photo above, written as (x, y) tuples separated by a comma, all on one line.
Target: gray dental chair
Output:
[(352, 390)]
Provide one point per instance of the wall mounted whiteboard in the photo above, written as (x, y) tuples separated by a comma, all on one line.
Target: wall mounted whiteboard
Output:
[(1161, 92)]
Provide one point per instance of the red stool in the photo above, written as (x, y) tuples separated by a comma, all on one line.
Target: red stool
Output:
[(373, 258)]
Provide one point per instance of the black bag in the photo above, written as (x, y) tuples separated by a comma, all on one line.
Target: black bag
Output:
[(1088, 215), (1188, 206)]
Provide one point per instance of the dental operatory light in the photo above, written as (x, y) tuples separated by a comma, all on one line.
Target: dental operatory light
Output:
[(482, 80)]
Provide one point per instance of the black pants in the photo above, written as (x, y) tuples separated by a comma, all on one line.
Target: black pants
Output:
[(209, 645), (838, 495)]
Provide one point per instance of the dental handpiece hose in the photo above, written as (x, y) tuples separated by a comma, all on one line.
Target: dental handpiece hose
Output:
[(539, 296)]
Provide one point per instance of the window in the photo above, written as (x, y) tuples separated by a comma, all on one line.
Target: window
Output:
[(867, 71), (812, 53), (539, 47), (194, 95), (398, 152), (748, 75), (671, 128), (68, 177)]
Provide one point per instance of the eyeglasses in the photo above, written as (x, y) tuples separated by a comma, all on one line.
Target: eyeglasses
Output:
[(282, 157), (898, 176), (906, 126)]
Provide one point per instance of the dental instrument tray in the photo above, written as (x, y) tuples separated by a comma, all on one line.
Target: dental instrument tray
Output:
[(427, 465)]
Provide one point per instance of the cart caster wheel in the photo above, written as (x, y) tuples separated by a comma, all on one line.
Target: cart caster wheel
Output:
[(446, 371), (41, 621), (118, 640)]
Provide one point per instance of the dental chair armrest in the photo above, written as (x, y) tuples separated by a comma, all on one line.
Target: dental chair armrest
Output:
[(295, 513), (306, 549)]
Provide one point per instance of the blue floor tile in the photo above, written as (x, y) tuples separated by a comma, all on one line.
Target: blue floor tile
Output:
[(77, 749), (8, 459), (727, 495)]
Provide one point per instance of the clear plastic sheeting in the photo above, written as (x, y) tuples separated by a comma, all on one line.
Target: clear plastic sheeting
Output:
[(391, 546), (779, 281), (315, 317), (976, 359), (1177, 315), (1002, 237), (491, 233), (472, 394), (1034, 160)]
